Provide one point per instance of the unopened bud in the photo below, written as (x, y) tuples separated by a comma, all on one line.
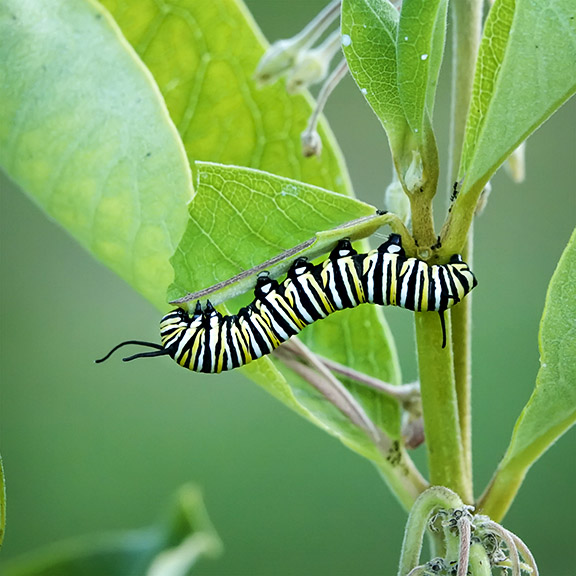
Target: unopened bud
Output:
[(311, 66), (414, 177), (277, 60), (396, 201), (311, 143), (283, 54)]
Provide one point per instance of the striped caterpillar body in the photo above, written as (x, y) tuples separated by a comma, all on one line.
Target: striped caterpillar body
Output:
[(209, 342)]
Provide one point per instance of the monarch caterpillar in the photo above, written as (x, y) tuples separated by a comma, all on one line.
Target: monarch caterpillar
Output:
[(209, 342)]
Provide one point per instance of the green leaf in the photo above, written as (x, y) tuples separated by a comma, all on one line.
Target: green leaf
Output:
[(84, 131), (552, 407), (259, 216), (223, 117), (206, 80), (526, 70), (551, 410), (369, 32), (421, 35), (320, 244), (168, 549)]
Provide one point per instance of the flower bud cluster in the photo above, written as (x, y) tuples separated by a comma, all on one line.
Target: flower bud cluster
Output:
[(297, 58)]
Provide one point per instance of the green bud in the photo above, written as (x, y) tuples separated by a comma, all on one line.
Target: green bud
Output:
[(277, 60), (397, 202), (414, 178)]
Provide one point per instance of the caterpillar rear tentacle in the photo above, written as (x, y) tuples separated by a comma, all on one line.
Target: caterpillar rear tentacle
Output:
[(207, 341)]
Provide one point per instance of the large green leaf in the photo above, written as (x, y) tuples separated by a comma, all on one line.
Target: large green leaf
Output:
[(259, 216), (551, 409), (203, 56), (241, 218), (526, 70), (421, 34), (369, 31), (84, 131), (171, 548)]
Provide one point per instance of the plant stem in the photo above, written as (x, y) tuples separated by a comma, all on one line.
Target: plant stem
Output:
[(467, 28), (393, 462), (461, 317), (440, 405), (502, 489), (404, 393), (434, 499), (466, 34)]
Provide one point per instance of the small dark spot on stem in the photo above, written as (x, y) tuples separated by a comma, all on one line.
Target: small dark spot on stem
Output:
[(455, 190), (148, 154), (394, 457)]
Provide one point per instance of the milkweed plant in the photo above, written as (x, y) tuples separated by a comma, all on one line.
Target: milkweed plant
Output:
[(193, 168)]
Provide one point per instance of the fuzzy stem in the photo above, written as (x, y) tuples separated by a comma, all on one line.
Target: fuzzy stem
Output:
[(318, 25), (434, 499), (466, 34), (510, 544), (464, 549), (461, 317), (311, 143), (467, 29), (526, 553), (394, 463), (440, 405), (405, 393)]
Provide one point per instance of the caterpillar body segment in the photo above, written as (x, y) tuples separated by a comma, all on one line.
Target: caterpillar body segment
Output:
[(207, 341)]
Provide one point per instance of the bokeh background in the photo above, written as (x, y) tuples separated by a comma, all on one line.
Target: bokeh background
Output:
[(90, 448)]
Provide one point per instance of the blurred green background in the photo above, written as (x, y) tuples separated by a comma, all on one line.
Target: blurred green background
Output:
[(90, 448)]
